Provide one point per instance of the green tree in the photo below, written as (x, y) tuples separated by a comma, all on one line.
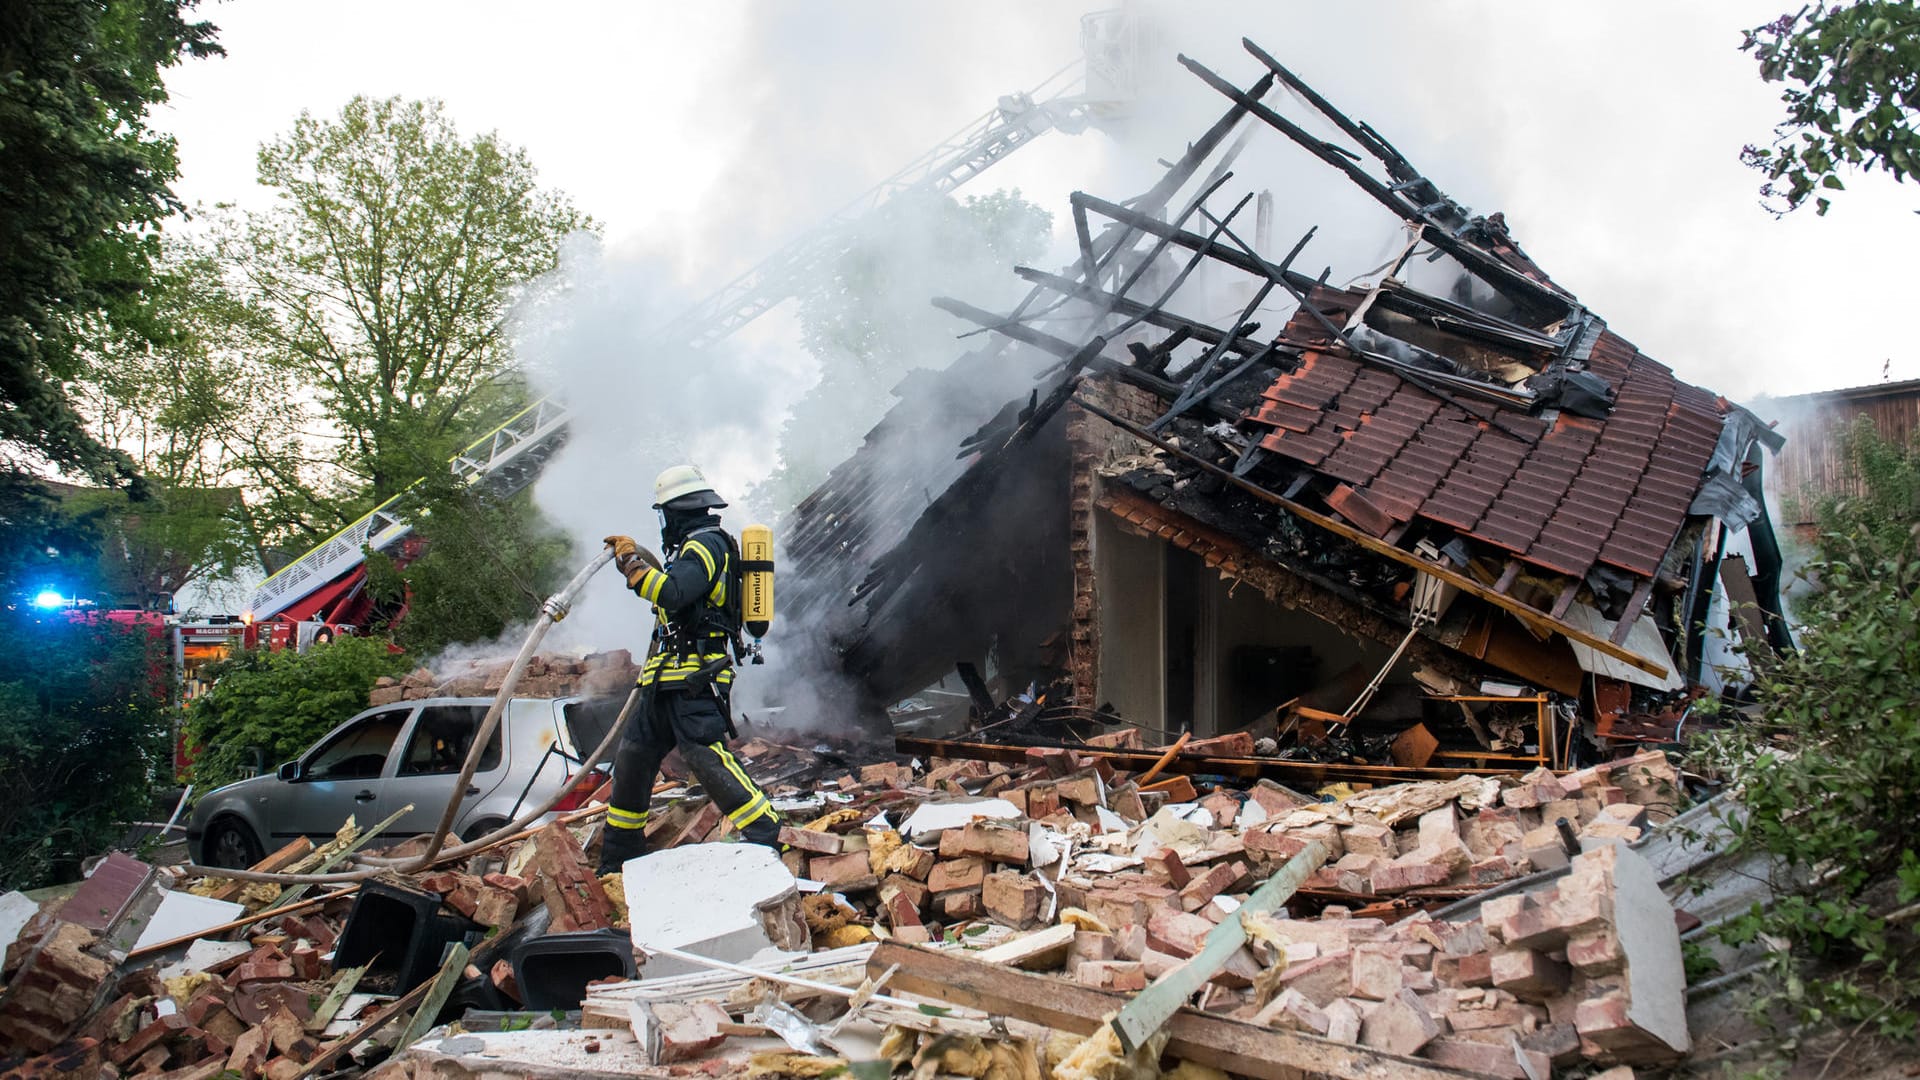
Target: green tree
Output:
[(870, 322), (1826, 770), (487, 565), (279, 702), (1853, 91), (380, 284), (83, 737), (196, 413), (83, 185), (1881, 498)]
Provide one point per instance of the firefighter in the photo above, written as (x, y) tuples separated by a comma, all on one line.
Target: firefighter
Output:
[(688, 674)]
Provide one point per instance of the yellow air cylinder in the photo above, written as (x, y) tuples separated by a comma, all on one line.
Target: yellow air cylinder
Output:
[(756, 585)]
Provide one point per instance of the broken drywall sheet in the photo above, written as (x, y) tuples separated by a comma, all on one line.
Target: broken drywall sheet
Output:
[(937, 817), (181, 914)]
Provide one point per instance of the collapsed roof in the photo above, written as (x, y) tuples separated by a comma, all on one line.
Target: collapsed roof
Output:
[(1501, 440)]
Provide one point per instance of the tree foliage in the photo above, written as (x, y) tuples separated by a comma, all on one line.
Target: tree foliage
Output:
[(83, 737), (379, 286), (279, 703), (83, 182), (1884, 497), (1827, 773), (1853, 92), (203, 419), (487, 566)]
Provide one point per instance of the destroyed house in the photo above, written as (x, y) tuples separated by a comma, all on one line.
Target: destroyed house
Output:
[(1444, 517)]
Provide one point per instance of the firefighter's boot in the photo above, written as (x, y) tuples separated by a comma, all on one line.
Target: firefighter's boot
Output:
[(617, 845)]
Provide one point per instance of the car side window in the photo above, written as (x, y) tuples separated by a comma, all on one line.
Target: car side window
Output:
[(360, 752), (442, 737)]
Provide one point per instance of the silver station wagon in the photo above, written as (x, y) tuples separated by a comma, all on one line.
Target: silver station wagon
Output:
[(407, 754)]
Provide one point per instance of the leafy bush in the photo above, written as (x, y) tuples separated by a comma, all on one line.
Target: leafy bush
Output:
[(1830, 773), (280, 702), (83, 737)]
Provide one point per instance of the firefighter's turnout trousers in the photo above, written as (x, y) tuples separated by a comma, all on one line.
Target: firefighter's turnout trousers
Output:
[(692, 722)]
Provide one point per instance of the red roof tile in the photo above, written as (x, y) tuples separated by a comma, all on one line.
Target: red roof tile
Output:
[(1560, 496)]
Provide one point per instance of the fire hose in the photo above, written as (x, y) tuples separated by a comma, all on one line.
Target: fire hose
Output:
[(552, 610)]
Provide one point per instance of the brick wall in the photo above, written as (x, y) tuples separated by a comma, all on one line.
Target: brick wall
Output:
[(1091, 443)]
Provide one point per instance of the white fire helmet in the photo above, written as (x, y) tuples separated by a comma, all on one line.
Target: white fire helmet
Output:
[(681, 481)]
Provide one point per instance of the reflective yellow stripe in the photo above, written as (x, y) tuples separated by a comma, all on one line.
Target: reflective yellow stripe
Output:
[(626, 819), (733, 766), (748, 812), (765, 811), (717, 596), (651, 584), (668, 667), (700, 549)]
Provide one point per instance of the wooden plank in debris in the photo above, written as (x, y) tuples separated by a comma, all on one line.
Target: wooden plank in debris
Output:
[(1301, 774), (1024, 951), (1149, 1012), (248, 920), (442, 985), (294, 892), (1234, 1046), (293, 852), (1508, 575), (481, 958), (1564, 601), (331, 1056), (336, 997), (1631, 615)]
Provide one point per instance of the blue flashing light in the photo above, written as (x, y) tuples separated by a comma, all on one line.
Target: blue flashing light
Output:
[(48, 600)]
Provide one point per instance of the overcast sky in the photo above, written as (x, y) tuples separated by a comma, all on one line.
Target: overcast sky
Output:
[(703, 134)]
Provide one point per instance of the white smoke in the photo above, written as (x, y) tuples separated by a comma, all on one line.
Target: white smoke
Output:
[(640, 402)]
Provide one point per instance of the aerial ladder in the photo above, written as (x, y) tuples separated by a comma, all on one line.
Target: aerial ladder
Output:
[(324, 590)]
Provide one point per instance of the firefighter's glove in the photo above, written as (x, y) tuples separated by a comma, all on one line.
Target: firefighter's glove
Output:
[(621, 545), (635, 564)]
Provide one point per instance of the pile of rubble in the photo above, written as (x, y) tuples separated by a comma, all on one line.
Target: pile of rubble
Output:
[(940, 882), (545, 677)]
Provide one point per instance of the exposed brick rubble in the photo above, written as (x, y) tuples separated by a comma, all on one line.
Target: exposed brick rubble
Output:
[(1582, 968), (545, 677)]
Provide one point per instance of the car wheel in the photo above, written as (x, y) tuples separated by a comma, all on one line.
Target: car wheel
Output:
[(483, 827), (231, 845)]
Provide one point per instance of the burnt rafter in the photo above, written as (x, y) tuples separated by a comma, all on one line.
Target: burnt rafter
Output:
[(1515, 449), (1443, 223), (1412, 421)]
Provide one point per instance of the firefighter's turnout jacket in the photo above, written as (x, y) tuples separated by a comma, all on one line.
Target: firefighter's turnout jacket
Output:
[(692, 608)]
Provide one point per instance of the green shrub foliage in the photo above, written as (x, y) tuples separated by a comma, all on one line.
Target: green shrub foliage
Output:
[(1830, 773), (280, 703), (83, 739)]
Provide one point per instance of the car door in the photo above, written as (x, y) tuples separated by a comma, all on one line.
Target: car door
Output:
[(436, 747), (344, 774)]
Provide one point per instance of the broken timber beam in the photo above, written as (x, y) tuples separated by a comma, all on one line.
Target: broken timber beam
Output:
[(1145, 1015), (1513, 284), (1464, 582), (1298, 773), (1234, 1046)]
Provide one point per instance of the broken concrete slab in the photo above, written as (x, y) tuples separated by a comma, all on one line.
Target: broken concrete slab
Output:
[(739, 886)]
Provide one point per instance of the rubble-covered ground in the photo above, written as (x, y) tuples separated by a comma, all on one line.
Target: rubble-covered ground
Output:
[(1480, 926)]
